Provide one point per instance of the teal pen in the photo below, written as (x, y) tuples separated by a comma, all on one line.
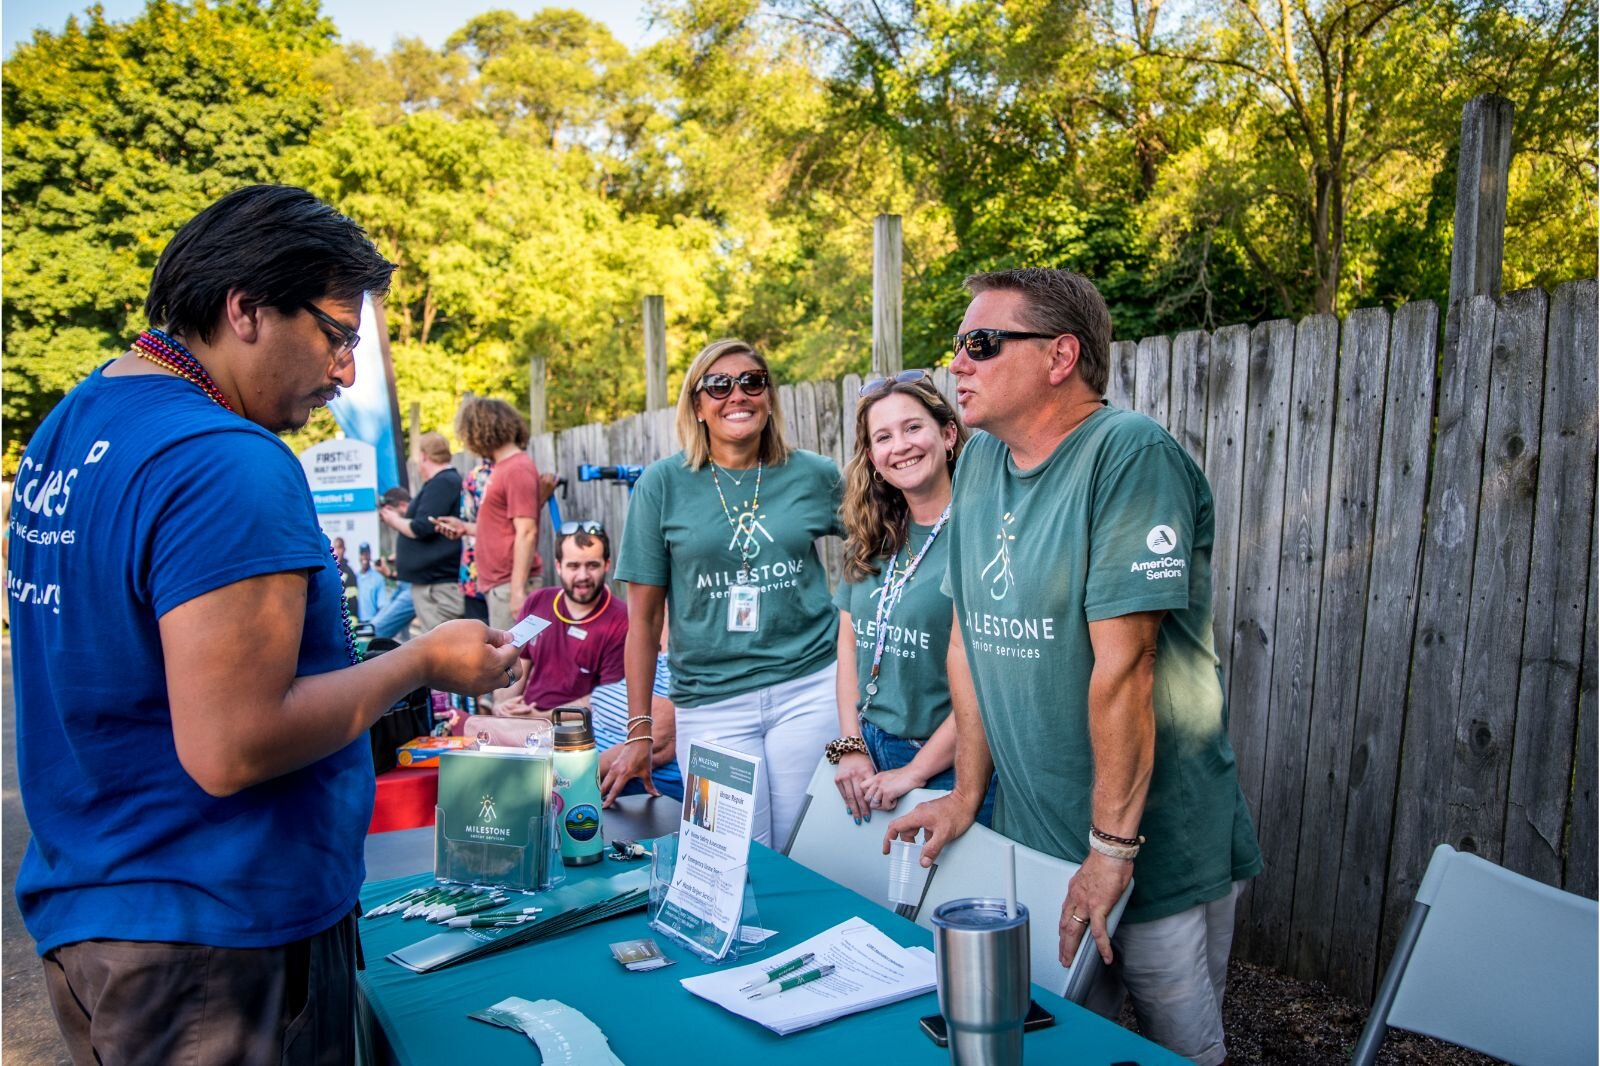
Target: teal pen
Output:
[(792, 982), (781, 970)]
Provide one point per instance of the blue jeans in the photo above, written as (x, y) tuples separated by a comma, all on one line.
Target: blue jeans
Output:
[(890, 752), (394, 618)]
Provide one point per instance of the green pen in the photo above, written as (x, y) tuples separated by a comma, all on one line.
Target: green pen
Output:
[(404, 897), (489, 921), (518, 915), (781, 970), (443, 895), (472, 906), (793, 982)]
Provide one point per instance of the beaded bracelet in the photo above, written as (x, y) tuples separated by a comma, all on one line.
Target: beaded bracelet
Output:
[(630, 740), (1109, 838)]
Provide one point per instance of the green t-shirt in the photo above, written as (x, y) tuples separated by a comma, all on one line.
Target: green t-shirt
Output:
[(913, 689), (678, 536), (1116, 521)]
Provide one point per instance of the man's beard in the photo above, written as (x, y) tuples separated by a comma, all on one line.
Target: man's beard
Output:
[(575, 596)]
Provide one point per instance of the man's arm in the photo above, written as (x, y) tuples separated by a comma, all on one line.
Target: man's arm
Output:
[(234, 729), (525, 533), (391, 517), (1122, 735), (946, 818), (440, 497)]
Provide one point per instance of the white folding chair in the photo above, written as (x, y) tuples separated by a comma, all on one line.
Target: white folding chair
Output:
[(827, 839), (975, 865), (1493, 961)]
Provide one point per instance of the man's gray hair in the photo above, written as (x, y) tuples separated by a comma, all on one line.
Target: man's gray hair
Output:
[(1060, 301)]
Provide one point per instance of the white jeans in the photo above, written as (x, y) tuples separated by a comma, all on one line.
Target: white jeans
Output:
[(786, 725), (1176, 970)]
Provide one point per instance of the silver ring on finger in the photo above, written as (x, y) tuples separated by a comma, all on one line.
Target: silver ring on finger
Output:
[(511, 675)]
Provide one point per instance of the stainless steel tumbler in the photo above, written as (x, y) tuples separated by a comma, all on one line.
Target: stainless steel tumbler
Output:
[(983, 969)]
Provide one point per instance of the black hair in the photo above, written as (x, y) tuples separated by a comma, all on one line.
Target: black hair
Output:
[(279, 244), (583, 539)]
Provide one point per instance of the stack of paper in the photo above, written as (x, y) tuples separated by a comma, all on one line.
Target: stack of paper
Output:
[(566, 907), (564, 1036), (870, 970)]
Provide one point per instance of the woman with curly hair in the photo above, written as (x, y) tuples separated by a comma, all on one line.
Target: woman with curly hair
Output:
[(897, 673)]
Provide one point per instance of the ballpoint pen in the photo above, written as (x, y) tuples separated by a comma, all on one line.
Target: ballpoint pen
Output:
[(489, 921), (471, 906), (796, 981), (781, 970)]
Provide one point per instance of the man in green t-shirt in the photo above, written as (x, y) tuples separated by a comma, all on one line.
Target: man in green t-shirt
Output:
[(1080, 572)]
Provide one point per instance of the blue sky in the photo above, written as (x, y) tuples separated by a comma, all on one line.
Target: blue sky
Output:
[(372, 22)]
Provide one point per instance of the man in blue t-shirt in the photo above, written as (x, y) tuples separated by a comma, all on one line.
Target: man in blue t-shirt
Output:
[(191, 730)]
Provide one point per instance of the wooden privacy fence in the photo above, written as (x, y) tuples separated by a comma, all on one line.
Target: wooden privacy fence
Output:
[(1404, 591)]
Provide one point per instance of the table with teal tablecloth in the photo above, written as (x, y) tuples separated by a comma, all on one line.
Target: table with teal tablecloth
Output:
[(650, 1018)]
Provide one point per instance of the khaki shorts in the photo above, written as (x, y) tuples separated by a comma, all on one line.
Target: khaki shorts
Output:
[(502, 612), (437, 603), (1176, 970)]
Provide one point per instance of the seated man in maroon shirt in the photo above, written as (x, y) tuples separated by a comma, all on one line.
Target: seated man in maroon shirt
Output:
[(580, 651)]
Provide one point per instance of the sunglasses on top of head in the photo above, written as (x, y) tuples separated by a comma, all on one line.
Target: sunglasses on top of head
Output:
[(348, 338), (583, 525), (881, 385), (720, 386), (981, 344)]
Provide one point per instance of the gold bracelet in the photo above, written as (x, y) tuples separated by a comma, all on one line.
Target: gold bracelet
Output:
[(630, 740)]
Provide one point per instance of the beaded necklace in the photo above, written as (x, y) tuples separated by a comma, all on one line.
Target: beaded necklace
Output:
[(755, 508), (166, 351), (555, 608)]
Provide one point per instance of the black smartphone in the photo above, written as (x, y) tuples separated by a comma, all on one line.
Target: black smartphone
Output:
[(933, 1026)]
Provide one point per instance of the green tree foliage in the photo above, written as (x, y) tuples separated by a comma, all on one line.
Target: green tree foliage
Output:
[(115, 133), (1206, 162)]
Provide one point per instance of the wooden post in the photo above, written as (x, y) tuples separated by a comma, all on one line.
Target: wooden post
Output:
[(1481, 179), (655, 353), (886, 248), (536, 398)]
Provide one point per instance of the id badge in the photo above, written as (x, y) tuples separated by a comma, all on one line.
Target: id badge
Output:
[(744, 609)]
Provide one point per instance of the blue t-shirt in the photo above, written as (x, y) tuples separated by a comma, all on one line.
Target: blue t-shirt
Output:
[(371, 589), (136, 495)]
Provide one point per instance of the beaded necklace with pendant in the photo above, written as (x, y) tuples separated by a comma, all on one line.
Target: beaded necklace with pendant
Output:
[(733, 524), (166, 351)]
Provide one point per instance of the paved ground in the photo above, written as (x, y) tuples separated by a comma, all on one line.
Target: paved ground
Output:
[(27, 1030)]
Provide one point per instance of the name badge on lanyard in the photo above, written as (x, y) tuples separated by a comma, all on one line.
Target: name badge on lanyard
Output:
[(744, 609)]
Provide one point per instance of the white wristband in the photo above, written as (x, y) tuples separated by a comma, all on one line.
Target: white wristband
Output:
[(1113, 851)]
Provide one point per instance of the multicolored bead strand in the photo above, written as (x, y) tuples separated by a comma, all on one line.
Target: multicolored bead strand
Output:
[(165, 351)]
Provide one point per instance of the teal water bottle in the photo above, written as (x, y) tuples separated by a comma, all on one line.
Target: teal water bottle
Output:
[(577, 767)]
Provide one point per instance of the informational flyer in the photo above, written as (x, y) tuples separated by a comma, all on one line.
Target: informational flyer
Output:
[(706, 895)]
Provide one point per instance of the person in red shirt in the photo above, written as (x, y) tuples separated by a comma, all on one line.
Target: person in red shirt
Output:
[(507, 526)]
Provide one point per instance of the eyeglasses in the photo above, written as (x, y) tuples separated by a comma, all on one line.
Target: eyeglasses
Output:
[(983, 344), (878, 386), (720, 386), (348, 338), (586, 525)]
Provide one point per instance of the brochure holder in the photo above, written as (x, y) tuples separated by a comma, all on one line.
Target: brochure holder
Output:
[(495, 823), (662, 863)]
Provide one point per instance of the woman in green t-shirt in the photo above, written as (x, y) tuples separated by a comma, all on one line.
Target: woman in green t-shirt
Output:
[(722, 535), (895, 667)]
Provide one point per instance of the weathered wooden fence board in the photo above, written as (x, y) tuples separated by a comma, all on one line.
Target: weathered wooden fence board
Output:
[(1552, 643), (1224, 465), (1352, 498), (1442, 612), (1388, 590), (1475, 816), (1294, 652), (1153, 373), (1391, 608), (1191, 376)]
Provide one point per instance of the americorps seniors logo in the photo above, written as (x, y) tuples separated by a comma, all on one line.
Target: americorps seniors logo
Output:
[(1161, 540)]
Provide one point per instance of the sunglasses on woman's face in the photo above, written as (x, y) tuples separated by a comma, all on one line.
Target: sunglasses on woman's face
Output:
[(720, 386), (878, 386)]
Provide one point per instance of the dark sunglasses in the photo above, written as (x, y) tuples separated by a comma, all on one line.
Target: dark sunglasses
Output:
[(877, 386), (720, 386), (983, 344), (348, 338), (586, 525)]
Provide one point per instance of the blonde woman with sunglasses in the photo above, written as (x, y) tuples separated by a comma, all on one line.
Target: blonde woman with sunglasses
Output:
[(896, 672), (723, 534)]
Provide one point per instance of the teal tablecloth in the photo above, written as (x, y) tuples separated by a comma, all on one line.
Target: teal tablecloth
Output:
[(650, 1019)]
